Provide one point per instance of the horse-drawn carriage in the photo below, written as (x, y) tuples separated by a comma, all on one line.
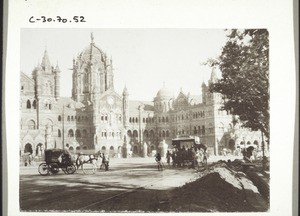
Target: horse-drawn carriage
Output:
[(189, 150), (56, 159)]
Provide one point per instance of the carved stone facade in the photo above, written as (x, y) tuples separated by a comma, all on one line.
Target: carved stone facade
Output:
[(96, 118)]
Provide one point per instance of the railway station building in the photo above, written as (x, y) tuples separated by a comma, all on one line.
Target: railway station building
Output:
[(97, 118)]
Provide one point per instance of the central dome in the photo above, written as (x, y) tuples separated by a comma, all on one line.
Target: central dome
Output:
[(92, 53)]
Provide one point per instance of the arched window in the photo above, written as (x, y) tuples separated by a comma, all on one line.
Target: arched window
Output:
[(136, 120), (103, 148), (59, 118), (34, 104), (31, 125), (102, 118), (84, 147), (151, 134), (70, 133), (195, 130), (58, 133), (105, 117), (199, 129), (71, 149), (77, 133), (84, 133), (50, 106), (163, 119), (135, 133), (163, 133), (159, 133), (167, 119), (146, 134), (28, 105), (203, 129), (68, 118), (78, 119), (78, 148), (158, 119), (144, 120), (167, 134), (111, 148), (72, 118)]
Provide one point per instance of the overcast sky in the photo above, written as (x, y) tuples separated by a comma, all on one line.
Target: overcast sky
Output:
[(143, 58)]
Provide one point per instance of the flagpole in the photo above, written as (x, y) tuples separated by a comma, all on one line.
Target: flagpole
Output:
[(63, 127)]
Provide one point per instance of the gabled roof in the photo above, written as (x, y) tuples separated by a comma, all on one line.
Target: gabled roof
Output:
[(195, 99), (134, 106), (69, 102), (25, 76)]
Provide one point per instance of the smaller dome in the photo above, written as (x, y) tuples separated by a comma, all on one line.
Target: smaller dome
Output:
[(164, 93)]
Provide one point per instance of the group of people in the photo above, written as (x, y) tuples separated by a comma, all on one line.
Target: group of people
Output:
[(181, 157)]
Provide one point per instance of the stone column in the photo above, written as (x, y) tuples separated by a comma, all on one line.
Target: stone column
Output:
[(145, 150)]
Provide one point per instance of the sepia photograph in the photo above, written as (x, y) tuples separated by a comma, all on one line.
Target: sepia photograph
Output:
[(149, 107), (144, 120)]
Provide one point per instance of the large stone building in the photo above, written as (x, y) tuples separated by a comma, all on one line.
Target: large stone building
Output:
[(98, 118)]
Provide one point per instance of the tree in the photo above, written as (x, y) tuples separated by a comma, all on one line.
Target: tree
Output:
[(244, 85)]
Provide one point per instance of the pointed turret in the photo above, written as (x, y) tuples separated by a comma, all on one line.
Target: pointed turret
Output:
[(125, 91), (57, 81), (46, 63)]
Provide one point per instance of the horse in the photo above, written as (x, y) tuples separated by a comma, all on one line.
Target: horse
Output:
[(87, 158)]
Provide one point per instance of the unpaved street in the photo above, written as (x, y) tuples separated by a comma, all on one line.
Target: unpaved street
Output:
[(85, 191), (135, 184)]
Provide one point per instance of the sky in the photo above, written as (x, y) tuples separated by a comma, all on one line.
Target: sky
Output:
[(144, 59)]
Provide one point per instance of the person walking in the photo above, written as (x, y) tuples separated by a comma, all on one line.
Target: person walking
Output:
[(168, 156), (158, 161)]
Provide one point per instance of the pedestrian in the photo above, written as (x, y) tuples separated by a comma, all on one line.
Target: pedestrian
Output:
[(248, 154), (158, 161), (105, 162), (30, 159), (168, 156)]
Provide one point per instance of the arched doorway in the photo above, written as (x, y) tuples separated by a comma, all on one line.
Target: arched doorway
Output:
[(28, 148), (231, 145), (103, 149), (39, 149), (111, 151), (135, 150)]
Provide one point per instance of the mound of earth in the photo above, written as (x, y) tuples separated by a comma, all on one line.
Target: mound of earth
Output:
[(219, 189)]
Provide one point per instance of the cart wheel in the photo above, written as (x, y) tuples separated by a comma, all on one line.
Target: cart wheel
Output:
[(43, 169), (71, 169), (54, 168)]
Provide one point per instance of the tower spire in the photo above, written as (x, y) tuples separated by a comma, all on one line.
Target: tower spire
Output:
[(92, 38)]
